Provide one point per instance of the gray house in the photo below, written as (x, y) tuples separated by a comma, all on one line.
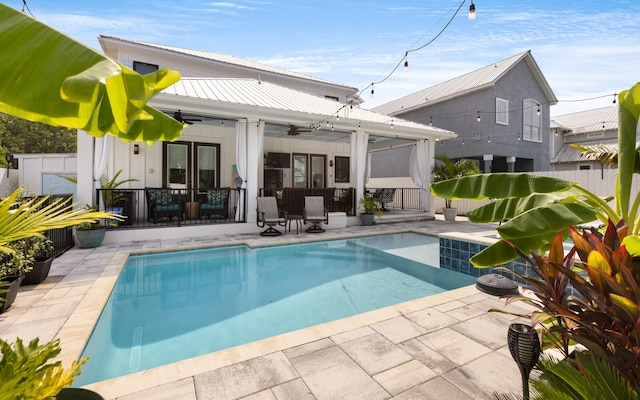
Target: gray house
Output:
[(499, 112), (590, 127)]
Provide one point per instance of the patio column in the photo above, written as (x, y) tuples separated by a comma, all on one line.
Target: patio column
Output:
[(359, 153), (86, 159), (255, 135)]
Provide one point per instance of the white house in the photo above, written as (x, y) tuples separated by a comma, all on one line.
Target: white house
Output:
[(240, 113)]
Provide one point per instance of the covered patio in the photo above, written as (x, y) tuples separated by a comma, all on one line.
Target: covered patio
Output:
[(233, 125)]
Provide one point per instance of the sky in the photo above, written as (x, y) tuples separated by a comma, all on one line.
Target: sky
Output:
[(587, 49)]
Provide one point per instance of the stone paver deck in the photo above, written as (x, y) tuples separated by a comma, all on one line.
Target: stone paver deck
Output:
[(445, 346)]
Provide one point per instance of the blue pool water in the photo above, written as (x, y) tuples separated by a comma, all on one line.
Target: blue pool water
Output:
[(169, 307)]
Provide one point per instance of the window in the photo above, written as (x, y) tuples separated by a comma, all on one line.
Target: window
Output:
[(331, 97), (144, 68), (343, 169), (584, 167), (502, 111), (531, 121)]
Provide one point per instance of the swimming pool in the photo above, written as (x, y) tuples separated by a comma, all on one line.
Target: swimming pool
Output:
[(168, 307)]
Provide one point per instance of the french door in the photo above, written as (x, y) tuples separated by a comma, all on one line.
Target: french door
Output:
[(191, 165), (309, 171)]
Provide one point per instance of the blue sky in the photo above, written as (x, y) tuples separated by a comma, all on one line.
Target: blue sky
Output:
[(585, 49)]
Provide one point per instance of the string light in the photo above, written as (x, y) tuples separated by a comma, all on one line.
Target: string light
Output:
[(472, 11), (372, 91), (538, 112), (391, 124), (430, 121), (614, 97), (478, 117), (488, 139), (406, 62)]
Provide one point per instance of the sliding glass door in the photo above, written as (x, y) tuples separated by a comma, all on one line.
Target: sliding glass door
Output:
[(309, 171)]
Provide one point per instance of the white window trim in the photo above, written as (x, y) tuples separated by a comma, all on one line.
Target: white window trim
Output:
[(530, 105), (502, 111)]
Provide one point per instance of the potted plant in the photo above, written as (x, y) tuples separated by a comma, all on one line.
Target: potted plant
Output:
[(42, 258), (448, 169), (114, 200), (14, 265), (91, 234), (369, 209)]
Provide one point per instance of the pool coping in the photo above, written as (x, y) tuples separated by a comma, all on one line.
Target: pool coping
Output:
[(77, 329)]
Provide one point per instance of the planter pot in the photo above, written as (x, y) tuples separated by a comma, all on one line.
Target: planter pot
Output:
[(12, 291), (113, 223), (449, 213), (70, 393), (39, 272), (90, 238), (367, 219)]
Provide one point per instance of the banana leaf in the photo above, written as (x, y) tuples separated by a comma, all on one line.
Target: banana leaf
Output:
[(50, 78), (498, 186)]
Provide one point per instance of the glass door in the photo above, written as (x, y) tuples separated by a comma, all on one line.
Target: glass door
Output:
[(189, 165), (317, 171), (176, 165), (299, 170)]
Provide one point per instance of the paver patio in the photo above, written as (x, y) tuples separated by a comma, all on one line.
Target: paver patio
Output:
[(442, 346)]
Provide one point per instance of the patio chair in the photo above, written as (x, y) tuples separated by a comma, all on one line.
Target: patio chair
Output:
[(384, 196), (269, 215), (160, 204), (217, 203), (315, 213)]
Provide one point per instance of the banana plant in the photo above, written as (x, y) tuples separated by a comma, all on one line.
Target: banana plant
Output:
[(536, 208), (53, 79)]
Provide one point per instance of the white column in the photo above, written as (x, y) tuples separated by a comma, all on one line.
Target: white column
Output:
[(84, 169), (488, 160), (511, 164), (431, 151)]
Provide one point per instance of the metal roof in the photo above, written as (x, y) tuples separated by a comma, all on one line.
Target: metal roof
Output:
[(229, 59), (464, 84), (599, 119), (246, 98)]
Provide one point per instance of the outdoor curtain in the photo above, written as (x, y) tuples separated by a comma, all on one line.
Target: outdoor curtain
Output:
[(418, 167), (241, 164), (101, 150)]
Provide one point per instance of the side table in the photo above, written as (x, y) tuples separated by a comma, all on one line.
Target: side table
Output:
[(297, 219), (191, 209)]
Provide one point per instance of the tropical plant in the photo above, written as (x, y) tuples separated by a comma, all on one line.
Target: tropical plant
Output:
[(604, 313), (26, 372), (24, 254), (448, 169), (23, 220), (369, 205), (109, 196), (584, 376), (537, 207), (55, 80)]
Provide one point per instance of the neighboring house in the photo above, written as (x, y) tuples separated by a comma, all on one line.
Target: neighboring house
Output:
[(500, 114), (42, 174), (271, 127), (590, 127)]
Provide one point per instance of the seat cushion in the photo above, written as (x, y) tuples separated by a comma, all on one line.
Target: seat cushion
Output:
[(167, 207), (212, 206)]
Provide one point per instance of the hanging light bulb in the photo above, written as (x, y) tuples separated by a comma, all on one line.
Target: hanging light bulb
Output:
[(222, 123), (614, 97), (478, 117), (332, 128), (337, 117), (463, 142), (406, 62), (430, 121), (489, 139), (472, 11), (372, 92), (538, 112), (391, 124)]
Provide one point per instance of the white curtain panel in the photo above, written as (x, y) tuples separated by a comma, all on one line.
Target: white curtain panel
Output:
[(418, 166), (101, 150)]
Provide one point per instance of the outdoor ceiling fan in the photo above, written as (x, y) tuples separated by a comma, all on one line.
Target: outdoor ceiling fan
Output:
[(296, 130), (180, 118)]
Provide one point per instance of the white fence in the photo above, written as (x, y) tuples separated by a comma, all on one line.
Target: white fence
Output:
[(602, 183)]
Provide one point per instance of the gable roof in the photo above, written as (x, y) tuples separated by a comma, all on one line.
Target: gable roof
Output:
[(222, 58), (251, 98), (598, 119), (470, 82)]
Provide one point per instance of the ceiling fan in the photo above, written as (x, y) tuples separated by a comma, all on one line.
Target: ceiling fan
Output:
[(180, 118), (295, 130)]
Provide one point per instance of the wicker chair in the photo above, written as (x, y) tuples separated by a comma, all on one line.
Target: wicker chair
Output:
[(217, 203), (160, 204)]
